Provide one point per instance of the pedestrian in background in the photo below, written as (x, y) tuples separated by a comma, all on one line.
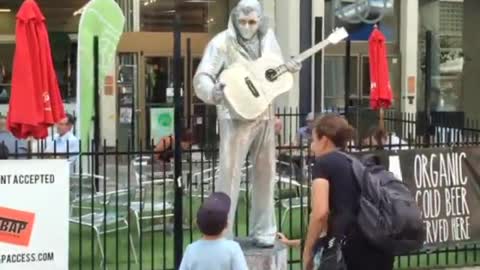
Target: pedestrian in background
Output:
[(14, 145), (3, 151)]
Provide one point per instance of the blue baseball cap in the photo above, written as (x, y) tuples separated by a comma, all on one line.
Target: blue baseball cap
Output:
[(212, 217)]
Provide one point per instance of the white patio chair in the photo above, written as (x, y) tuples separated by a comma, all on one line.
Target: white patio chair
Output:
[(105, 221), (145, 170), (286, 180), (155, 201), (82, 188)]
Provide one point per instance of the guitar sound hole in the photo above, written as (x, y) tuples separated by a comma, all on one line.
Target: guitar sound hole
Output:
[(271, 74), (252, 88)]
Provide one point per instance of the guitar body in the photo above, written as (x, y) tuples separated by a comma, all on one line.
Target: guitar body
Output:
[(247, 89), (250, 87)]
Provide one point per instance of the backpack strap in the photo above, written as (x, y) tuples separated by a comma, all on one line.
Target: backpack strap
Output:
[(358, 168), (359, 171)]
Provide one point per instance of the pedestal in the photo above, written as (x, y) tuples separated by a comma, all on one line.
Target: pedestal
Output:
[(275, 258)]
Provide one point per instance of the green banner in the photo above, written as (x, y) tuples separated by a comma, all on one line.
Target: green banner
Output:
[(102, 18), (161, 122)]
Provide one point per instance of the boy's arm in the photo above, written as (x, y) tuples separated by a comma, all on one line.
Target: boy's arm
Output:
[(239, 262), (295, 243), (290, 242)]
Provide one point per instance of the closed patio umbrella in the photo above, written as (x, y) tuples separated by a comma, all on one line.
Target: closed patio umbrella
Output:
[(381, 96), (35, 102)]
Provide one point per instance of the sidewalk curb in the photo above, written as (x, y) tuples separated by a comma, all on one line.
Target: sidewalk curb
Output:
[(447, 268)]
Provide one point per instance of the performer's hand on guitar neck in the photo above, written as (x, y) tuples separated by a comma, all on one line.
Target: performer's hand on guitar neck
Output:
[(218, 94), (293, 65)]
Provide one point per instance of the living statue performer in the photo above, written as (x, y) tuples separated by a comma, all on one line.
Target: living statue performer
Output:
[(246, 38)]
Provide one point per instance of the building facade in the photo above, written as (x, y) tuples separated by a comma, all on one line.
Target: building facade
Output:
[(143, 73)]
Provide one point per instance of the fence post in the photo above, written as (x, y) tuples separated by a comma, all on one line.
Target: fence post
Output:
[(177, 69), (188, 85), (428, 87), (96, 104), (348, 44)]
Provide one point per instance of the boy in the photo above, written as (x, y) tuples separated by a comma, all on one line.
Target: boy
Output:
[(213, 251)]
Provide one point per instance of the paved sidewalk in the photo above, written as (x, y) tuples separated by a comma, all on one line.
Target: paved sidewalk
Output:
[(463, 268)]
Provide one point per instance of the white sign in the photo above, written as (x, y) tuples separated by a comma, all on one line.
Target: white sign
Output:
[(161, 122), (34, 213), (395, 168)]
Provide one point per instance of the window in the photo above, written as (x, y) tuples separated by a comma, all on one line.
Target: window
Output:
[(445, 20), (64, 61), (6, 60), (335, 80)]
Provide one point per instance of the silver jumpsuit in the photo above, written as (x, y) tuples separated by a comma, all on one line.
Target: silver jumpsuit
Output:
[(238, 137)]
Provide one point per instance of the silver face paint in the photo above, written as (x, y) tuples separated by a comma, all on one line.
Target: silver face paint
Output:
[(248, 25)]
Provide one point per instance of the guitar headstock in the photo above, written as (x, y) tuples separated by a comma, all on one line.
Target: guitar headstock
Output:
[(338, 35)]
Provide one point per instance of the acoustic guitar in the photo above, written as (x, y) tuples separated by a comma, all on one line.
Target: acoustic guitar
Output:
[(250, 87)]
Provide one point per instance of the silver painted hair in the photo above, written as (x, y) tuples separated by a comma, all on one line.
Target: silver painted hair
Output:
[(246, 7)]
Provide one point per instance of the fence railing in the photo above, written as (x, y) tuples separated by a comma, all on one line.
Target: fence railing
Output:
[(123, 216)]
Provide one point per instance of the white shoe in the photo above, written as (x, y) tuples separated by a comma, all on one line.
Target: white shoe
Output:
[(264, 244)]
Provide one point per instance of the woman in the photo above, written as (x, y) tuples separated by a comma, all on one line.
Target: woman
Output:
[(335, 202), (379, 139), (164, 149)]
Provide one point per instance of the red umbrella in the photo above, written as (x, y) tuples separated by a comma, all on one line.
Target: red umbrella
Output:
[(35, 102), (380, 88)]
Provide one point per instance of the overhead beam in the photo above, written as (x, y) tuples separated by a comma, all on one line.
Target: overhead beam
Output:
[(51, 4)]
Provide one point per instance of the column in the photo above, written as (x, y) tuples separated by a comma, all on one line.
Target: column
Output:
[(108, 91), (306, 42), (409, 51), (429, 20), (318, 34), (471, 43), (136, 15), (269, 10), (287, 26), (288, 35)]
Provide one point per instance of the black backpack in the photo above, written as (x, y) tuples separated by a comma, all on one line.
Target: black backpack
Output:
[(389, 216)]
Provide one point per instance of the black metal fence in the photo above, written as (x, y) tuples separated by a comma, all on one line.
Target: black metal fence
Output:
[(123, 217)]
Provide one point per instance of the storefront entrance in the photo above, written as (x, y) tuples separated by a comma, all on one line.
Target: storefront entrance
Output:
[(145, 85), (358, 100)]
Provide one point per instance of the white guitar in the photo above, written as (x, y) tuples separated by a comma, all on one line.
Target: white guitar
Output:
[(251, 87)]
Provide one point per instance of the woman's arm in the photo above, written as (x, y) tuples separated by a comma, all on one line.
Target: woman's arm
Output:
[(162, 145), (318, 217)]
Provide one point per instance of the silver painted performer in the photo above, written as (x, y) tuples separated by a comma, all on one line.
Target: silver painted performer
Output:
[(246, 38)]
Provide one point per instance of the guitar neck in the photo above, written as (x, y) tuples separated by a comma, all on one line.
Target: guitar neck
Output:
[(306, 54)]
